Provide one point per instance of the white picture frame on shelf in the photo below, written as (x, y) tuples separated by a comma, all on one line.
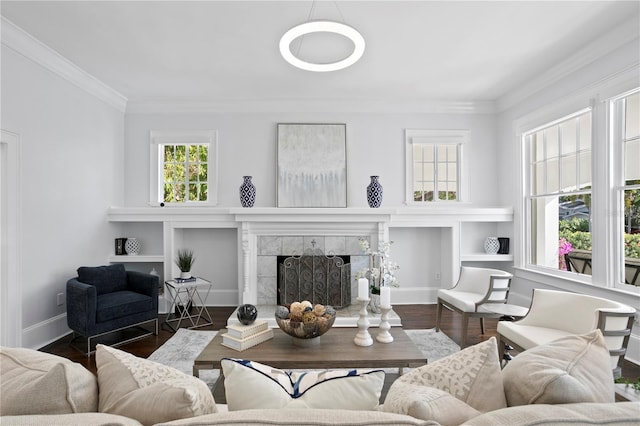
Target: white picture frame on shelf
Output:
[(312, 165)]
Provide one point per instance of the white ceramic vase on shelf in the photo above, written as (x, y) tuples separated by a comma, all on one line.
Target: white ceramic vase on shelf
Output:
[(132, 246), (491, 245)]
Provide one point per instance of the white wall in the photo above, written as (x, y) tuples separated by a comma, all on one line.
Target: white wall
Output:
[(375, 146), (71, 172)]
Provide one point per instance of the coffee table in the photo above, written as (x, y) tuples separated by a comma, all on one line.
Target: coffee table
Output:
[(335, 350)]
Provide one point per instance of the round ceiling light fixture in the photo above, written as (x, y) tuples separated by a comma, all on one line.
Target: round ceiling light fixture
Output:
[(317, 27)]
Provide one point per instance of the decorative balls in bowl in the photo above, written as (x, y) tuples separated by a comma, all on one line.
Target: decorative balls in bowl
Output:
[(304, 320)]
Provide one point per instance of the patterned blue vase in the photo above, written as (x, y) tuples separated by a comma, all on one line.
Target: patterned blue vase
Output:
[(374, 193), (247, 192)]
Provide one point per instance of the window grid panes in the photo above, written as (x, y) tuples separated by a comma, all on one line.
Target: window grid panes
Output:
[(435, 172), (629, 123), (185, 172), (560, 194)]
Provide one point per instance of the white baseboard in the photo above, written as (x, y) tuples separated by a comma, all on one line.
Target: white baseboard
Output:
[(45, 332)]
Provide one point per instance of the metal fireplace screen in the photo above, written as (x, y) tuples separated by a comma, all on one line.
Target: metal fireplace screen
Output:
[(318, 279)]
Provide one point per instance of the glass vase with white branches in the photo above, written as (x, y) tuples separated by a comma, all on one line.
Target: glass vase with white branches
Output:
[(381, 270)]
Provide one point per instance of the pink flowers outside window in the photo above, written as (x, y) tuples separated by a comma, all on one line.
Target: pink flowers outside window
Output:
[(564, 247)]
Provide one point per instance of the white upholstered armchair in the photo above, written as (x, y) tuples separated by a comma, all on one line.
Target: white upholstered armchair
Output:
[(555, 314), (475, 287)]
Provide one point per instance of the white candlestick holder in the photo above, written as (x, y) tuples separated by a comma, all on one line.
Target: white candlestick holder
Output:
[(363, 338), (384, 336)]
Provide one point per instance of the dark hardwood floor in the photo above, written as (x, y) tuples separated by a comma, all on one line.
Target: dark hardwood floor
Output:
[(413, 317)]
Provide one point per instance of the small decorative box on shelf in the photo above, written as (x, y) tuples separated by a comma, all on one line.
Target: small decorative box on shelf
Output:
[(241, 337)]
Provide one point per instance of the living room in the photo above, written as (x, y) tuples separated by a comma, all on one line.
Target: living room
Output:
[(77, 139)]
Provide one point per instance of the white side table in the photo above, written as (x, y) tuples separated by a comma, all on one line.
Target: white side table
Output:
[(186, 295)]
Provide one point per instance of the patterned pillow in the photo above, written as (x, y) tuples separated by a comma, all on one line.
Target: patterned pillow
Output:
[(568, 370), (147, 391), (471, 375), (250, 385)]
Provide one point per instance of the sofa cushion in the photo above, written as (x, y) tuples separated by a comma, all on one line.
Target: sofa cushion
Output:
[(471, 375), (76, 419), (148, 391), (303, 416), (621, 413), (35, 382), (253, 385), (104, 278), (569, 369)]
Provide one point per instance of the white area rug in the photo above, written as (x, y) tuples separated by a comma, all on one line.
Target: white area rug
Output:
[(184, 346)]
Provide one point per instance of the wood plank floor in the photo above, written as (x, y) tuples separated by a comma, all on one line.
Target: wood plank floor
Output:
[(413, 317)]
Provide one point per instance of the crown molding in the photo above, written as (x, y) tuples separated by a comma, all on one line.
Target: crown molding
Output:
[(620, 35), (25, 44), (305, 105)]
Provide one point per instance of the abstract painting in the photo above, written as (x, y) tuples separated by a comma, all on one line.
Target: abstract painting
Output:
[(312, 165)]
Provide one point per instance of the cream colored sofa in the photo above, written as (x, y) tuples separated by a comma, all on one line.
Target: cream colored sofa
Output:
[(564, 382)]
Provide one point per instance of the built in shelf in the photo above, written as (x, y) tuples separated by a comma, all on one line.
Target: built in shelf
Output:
[(139, 258), (483, 257)]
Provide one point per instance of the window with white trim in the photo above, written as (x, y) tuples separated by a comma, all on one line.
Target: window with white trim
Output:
[(558, 197), (434, 165), (183, 168), (625, 133)]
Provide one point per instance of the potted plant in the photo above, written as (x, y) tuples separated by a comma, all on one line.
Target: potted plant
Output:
[(184, 260)]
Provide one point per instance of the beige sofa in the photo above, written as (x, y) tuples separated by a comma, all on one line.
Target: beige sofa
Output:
[(565, 382)]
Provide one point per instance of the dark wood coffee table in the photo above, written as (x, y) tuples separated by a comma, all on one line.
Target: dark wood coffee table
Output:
[(335, 350)]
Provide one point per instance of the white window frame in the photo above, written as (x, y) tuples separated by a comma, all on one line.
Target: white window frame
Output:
[(528, 197), (436, 137), (617, 152), (604, 205), (159, 138)]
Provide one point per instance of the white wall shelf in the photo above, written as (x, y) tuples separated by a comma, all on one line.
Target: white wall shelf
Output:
[(140, 258), (229, 236), (483, 257)]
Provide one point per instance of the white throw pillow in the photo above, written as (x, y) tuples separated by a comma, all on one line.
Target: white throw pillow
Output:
[(35, 382), (568, 370), (250, 385), (147, 391)]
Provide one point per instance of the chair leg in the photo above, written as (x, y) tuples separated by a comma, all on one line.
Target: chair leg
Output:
[(482, 325), (438, 315), (465, 327)]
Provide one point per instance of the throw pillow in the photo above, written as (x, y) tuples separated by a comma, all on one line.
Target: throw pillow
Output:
[(427, 403), (106, 279), (250, 385), (471, 375), (569, 369), (35, 382), (148, 391)]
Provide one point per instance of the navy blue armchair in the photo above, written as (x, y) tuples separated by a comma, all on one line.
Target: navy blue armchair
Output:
[(104, 299)]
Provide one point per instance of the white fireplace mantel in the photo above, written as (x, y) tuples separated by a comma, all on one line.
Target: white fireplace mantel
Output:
[(251, 223)]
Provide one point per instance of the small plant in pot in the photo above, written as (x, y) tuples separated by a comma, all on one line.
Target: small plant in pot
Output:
[(184, 260)]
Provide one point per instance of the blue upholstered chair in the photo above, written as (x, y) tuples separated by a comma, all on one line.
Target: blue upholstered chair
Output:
[(104, 299)]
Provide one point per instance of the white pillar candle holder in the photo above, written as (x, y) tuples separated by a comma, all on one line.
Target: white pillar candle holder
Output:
[(363, 338), (383, 335)]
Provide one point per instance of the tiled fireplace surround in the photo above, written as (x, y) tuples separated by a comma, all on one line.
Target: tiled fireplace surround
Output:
[(269, 247)]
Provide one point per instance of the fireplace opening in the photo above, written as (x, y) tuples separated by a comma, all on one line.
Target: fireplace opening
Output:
[(317, 278)]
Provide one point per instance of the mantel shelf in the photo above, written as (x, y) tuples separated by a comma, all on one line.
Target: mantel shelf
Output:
[(395, 216)]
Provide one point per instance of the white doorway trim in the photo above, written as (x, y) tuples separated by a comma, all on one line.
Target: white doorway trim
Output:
[(10, 250)]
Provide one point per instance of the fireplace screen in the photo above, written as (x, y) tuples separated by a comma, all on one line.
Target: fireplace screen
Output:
[(318, 279)]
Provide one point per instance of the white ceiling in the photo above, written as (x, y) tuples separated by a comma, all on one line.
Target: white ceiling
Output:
[(448, 51)]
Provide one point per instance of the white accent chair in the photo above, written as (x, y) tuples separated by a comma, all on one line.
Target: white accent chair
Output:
[(555, 314), (475, 286)]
